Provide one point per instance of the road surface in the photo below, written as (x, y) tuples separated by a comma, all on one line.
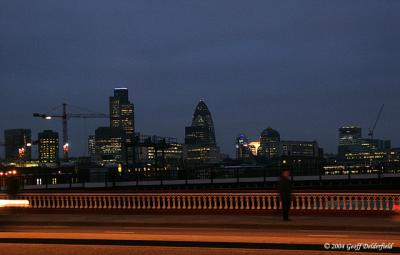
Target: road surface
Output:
[(163, 234)]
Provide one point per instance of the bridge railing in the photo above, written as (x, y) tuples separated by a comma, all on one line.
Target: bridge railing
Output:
[(212, 201)]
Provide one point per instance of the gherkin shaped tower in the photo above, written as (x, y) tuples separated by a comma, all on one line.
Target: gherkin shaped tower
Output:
[(200, 137)]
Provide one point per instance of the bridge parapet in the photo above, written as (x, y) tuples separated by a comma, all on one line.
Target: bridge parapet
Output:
[(250, 201)]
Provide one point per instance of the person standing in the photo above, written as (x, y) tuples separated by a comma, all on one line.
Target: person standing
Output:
[(285, 193)]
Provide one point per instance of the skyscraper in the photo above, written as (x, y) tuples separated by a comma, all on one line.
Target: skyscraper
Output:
[(200, 142), (48, 147), (17, 144), (122, 115), (122, 112)]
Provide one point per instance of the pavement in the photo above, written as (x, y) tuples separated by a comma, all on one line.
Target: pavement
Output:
[(198, 234)]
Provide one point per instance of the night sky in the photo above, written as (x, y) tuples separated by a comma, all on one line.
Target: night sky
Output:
[(302, 67)]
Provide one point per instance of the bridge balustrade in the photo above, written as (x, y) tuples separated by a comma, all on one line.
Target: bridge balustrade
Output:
[(212, 201)]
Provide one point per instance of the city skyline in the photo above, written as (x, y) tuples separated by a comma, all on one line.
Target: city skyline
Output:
[(304, 77), (258, 138)]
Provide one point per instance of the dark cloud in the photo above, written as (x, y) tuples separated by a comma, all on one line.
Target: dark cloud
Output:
[(302, 67)]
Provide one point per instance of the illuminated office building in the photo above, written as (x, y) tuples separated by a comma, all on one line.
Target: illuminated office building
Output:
[(299, 149), (200, 143), (122, 115), (48, 143), (122, 111), (349, 139), (353, 147), (110, 144), (17, 144)]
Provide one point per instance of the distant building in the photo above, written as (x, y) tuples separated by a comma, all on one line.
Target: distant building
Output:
[(349, 139), (48, 143), (354, 148), (200, 142), (17, 144), (368, 144), (157, 149), (269, 143), (122, 112), (122, 115), (110, 144), (92, 146), (299, 149), (243, 151)]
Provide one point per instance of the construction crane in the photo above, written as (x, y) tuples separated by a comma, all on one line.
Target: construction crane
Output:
[(65, 116), (372, 130)]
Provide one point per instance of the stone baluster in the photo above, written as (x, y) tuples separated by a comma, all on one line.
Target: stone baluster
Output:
[(314, 197), (128, 202), (81, 202), (275, 203), (67, 202), (173, 202), (90, 199), (215, 199), (375, 201), (345, 202), (189, 202), (264, 206), (95, 202), (380, 203), (204, 200), (338, 207), (184, 202), (362, 198), (332, 202), (292, 203), (200, 205), (241, 202), (168, 202), (320, 203), (252, 202), (53, 201), (247, 203), (194, 202), (163, 204), (114, 202), (123, 198), (309, 198), (368, 203), (144, 200), (132, 202), (350, 202), (178, 203), (387, 200)]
